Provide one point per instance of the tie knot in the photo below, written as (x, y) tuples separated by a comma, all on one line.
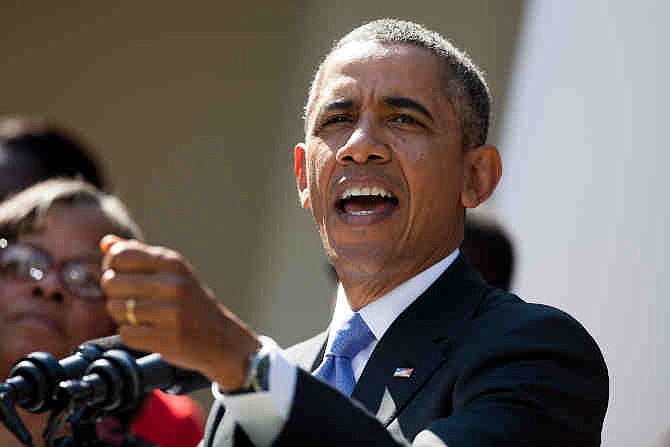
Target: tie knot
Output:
[(352, 338)]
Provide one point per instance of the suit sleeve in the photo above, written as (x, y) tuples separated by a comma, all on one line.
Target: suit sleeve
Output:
[(543, 381), (540, 381)]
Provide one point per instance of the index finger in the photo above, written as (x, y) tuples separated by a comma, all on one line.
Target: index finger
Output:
[(134, 256)]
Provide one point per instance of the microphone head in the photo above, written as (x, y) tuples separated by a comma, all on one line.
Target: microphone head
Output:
[(108, 343), (104, 343), (183, 381)]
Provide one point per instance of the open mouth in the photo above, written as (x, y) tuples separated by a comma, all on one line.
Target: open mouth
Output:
[(366, 204)]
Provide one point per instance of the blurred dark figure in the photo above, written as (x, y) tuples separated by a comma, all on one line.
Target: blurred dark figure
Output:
[(490, 251), (32, 150)]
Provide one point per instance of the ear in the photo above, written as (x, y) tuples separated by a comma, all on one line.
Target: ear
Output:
[(300, 169), (482, 172)]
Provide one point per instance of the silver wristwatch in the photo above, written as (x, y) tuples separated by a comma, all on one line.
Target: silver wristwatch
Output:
[(258, 374)]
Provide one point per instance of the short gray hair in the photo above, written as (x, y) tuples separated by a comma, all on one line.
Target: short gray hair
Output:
[(466, 87)]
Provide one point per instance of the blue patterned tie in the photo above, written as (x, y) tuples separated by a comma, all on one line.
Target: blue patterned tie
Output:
[(350, 340)]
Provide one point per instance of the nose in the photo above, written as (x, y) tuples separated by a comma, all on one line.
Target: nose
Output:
[(363, 146), (49, 287)]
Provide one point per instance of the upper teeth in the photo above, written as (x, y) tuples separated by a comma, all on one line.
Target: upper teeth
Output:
[(372, 191)]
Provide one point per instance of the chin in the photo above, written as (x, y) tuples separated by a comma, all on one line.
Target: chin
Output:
[(360, 261), (23, 342)]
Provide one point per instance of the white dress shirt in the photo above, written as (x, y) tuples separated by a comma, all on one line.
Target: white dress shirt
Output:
[(262, 415)]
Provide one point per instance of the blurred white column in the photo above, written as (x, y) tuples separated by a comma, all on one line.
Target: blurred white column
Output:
[(586, 184)]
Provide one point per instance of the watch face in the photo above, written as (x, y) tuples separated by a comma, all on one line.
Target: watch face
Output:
[(257, 375), (263, 374)]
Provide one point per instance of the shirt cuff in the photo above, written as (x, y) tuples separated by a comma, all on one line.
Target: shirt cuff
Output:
[(263, 414)]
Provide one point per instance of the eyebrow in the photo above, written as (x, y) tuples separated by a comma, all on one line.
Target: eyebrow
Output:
[(340, 104), (400, 102)]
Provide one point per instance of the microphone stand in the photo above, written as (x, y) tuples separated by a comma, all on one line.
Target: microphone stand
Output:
[(115, 382), (82, 420), (11, 419), (83, 423)]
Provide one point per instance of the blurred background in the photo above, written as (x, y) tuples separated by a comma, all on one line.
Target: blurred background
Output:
[(195, 110)]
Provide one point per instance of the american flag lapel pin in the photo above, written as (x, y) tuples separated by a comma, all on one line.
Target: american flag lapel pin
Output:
[(403, 372)]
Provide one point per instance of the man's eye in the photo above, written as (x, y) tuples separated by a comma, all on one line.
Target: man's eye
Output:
[(335, 119), (405, 119)]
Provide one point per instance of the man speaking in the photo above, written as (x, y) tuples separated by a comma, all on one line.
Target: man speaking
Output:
[(420, 350)]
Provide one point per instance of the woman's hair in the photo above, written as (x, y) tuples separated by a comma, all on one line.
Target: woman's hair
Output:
[(54, 151), (25, 211)]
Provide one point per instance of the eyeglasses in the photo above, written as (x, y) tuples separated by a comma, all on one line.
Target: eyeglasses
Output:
[(81, 277)]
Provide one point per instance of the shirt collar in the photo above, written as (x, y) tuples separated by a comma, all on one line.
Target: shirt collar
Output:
[(381, 313)]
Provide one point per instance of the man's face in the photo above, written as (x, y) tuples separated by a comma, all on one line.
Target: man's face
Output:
[(382, 164)]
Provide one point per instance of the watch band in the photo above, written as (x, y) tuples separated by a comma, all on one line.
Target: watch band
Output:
[(258, 373)]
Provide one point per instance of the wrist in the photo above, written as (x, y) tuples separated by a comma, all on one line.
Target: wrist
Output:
[(257, 371), (229, 367)]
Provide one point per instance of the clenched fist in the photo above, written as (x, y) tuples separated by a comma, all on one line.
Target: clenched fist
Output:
[(161, 306)]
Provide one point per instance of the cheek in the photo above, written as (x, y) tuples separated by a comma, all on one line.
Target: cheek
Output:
[(414, 151), (9, 295), (320, 165), (5, 301), (5, 309), (431, 180), (441, 171), (87, 321), (319, 169)]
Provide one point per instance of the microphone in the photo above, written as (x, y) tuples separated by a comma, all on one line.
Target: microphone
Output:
[(119, 381), (33, 380)]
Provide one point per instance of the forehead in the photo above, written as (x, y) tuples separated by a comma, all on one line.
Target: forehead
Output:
[(70, 231), (368, 70)]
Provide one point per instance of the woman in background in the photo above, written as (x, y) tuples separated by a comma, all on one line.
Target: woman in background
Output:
[(50, 300)]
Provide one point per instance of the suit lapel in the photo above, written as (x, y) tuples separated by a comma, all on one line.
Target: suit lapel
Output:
[(416, 341)]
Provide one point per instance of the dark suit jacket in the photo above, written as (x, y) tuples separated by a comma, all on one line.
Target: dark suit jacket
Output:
[(488, 370)]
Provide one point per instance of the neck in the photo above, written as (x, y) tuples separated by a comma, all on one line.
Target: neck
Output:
[(363, 289), (362, 293)]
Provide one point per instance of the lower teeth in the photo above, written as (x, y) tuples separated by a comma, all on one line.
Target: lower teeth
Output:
[(361, 213)]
